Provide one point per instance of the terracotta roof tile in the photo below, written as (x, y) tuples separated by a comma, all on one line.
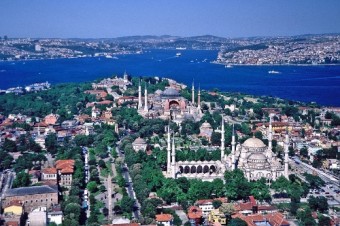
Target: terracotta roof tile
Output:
[(49, 171), (194, 212), (11, 223), (163, 217)]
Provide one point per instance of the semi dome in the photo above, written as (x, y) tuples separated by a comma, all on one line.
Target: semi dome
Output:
[(170, 92), (206, 125), (139, 141), (257, 157), (254, 143)]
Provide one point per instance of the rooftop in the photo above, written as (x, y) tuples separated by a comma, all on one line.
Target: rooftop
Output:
[(30, 191), (163, 217)]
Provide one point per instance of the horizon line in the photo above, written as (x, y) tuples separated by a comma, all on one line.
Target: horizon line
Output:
[(178, 36)]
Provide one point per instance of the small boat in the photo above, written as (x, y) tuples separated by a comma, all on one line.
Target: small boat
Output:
[(181, 48), (228, 66), (274, 72), (178, 54)]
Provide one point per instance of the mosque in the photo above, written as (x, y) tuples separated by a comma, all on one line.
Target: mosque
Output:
[(169, 104), (253, 157)]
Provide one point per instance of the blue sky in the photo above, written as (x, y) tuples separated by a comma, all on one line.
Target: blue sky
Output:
[(113, 18)]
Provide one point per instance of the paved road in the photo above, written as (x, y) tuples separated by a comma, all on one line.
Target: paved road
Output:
[(129, 188), (302, 167)]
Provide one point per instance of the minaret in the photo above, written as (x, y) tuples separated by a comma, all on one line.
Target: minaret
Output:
[(173, 159), (38, 129), (270, 135), (169, 152), (199, 98), (193, 93), (139, 95), (233, 143), (146, 99), (286, 154), (222, 141)]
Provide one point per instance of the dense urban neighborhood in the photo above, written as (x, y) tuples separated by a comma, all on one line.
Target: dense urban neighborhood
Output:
[(151, 151), (290, 50)]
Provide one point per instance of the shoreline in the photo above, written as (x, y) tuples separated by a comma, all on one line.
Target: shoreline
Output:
[(275, 65), (24, 60)]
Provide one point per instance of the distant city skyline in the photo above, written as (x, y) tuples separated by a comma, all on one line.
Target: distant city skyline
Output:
[(110, 19)]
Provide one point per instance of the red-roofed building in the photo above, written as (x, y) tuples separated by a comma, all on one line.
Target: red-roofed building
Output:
[(195, 215), (272, 219), (12, 223), (127, 224), (206, 205), (51, 119), (98, 93), (165, 219), (252, 207), (49, 174), (124, 99), (65, 169)]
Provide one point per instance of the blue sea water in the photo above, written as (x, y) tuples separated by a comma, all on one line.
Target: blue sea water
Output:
[(320, 84)]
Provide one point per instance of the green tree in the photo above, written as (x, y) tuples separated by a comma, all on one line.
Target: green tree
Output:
[(324, 221), (260, 190), (72, 210), (216, 138), (5, 160), (314, 181), (237, 186), (9, 145), (280, 185), (228, 209), (127, 204), (51, 143), (92, 186), (304, 152), (237, 222), (22, 180), (216, 203)]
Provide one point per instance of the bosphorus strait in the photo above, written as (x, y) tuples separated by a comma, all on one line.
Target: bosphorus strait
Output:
[(319, 84)]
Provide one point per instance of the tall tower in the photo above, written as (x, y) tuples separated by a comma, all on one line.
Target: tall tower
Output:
[(169, 152), (233, 143), (125, 77), (139, 95), (173, 160), (222, 141), (199, 98), (286, 149), (270, 135), (146, 100), (193, 93)]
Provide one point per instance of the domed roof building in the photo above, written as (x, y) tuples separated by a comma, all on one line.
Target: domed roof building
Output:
[(257, 160), (170, 93), (206, 130), (139, 144), (253, 157)]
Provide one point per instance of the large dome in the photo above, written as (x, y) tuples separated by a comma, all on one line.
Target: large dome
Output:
[(139, 141), (254, 143), (170, 92), (206, 125)]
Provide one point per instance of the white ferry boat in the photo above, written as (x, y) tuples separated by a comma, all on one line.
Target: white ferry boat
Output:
[(274, 72)]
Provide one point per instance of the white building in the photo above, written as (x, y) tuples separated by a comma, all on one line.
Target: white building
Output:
[(139, 144), (38, 217), (164, 219), (55, 216)]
